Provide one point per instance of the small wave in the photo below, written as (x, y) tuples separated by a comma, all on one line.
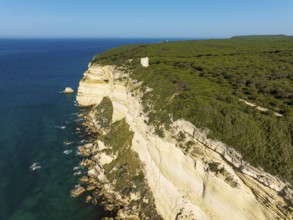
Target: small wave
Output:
[(77, 153), (79, 119), (35, 166), (67, 142), (77, 185), (77, 173), (77, 168), (67, 152), (82, 141), (60, 127)]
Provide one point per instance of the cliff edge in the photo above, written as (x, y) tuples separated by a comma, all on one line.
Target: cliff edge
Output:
[(207, 181)]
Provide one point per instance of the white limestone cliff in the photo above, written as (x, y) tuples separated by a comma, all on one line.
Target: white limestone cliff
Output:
[(182, 184)]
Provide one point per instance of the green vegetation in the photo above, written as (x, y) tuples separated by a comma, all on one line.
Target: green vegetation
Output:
[(103, 112), (202, 82), (125, 172), (214, 167), (119, 137)]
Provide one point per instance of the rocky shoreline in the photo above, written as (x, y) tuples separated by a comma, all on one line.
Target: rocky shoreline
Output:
[(97, 188)]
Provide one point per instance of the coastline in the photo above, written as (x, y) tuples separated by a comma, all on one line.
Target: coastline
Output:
[(99, 186), (191, 187)]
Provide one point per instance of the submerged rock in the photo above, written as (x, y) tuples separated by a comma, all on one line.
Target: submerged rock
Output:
[(88, 199), (68, 90), (109, 207)]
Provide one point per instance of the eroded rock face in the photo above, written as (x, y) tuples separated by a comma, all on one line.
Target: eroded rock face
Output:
[(200, 183), (94, 85)]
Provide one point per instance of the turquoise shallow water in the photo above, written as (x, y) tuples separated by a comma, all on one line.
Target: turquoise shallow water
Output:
[(32, 112)]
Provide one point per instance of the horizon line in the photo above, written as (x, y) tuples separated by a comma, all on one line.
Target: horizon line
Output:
[(134, 38)]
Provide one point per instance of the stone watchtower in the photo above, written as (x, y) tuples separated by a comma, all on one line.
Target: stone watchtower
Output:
[(144, 62)]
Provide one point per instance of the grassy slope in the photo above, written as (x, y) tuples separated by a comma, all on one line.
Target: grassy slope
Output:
[(201, 81)]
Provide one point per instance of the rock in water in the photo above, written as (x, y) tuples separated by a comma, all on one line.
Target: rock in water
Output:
[(90, 187), (84, 179), (68, 90), (88, 199), (77, 192)]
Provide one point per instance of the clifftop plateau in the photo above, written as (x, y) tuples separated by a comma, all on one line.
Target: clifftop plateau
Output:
[(204, 81)]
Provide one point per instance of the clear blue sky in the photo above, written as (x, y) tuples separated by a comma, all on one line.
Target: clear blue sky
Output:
[(144, 18)]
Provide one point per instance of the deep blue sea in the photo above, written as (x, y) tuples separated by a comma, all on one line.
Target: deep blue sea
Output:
[(36, 120)]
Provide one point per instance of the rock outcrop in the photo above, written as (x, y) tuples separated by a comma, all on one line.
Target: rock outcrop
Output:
[(206, 181), (77, 191), (68, 90)]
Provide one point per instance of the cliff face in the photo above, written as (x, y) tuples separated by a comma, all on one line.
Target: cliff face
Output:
[(206, 181)]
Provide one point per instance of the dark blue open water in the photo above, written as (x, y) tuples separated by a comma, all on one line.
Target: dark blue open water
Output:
[(32, 72)]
